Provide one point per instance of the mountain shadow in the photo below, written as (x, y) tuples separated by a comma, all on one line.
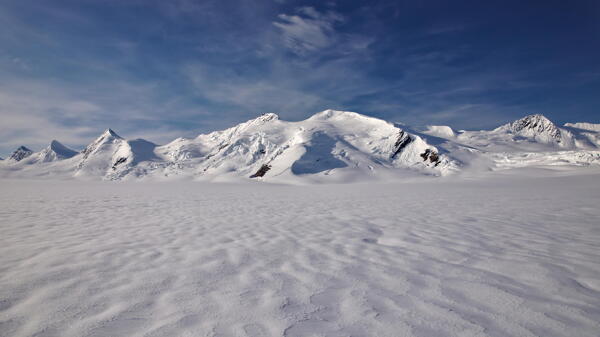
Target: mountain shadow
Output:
[(318, 156)]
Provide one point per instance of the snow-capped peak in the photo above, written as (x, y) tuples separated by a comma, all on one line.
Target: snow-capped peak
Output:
[(267, 117), (61, 150), (333, 114), (110, 133), (107, 136), (331, 144), (20, 153), (105, 143), (538, 128), (55, 151), (537, 123)]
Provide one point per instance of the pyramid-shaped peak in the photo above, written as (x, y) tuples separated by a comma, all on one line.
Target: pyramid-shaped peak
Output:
[(61, 150), (536, 127), (110, 133), (20, 153), (56, 144), (536, 122)]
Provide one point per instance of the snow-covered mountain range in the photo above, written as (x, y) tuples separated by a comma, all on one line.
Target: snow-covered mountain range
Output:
[(333, 146)]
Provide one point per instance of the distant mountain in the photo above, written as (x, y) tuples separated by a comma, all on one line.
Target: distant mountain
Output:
[(112, 156), (538, 128), (346, 143), (20, 153), (330, 146), (55, 151)]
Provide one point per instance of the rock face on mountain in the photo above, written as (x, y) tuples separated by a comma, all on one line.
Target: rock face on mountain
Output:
[(20, 153), (540, 129), (333, 146)]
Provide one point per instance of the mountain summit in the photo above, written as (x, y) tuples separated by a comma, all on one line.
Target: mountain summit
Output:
[(55, 151)]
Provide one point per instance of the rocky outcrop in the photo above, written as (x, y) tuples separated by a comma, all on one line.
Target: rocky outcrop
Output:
[(403, 140), (21, 153), (431, 156), (261, 171)]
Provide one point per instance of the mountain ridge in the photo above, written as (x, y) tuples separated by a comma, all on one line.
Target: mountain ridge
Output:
[(330, 145)]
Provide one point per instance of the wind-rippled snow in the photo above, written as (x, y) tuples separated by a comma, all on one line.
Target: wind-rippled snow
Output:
[(511, 256)]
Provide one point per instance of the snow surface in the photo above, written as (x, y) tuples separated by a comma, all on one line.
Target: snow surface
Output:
[(442, 131), (584, 126), (513, 254)]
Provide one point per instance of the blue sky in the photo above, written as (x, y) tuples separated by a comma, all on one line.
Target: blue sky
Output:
[(162, 69)]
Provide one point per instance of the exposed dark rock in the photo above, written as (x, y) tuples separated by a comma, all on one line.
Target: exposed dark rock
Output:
[(403, 140), (538, 124), (430, 155), (221, 147), (118, 162), (261, 171), (21, 153)]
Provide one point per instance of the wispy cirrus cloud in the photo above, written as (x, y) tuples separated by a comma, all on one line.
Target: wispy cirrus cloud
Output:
[(34, 112), (308, 30)]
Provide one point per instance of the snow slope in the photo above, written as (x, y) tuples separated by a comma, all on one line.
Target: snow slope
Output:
[(442, 131), (584, 126), (510, 255), (54, 152), (330, 146), (114, 157)]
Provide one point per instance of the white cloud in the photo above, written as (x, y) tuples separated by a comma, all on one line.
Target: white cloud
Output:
[(308, 31)]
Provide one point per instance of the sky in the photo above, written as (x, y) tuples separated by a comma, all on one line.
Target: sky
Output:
[(160, 69)]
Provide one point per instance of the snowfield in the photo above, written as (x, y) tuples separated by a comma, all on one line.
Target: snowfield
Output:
[(513, 254)]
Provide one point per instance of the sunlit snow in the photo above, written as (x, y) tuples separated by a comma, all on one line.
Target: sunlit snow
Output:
[(505, 255)]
